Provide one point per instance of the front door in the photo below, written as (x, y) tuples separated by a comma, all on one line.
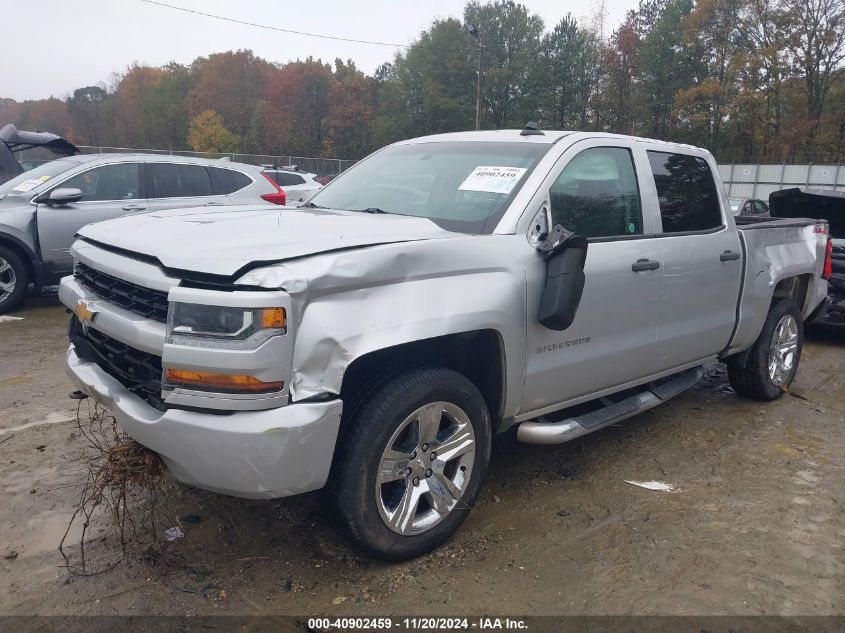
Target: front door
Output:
[(108, 191), (596, 194)]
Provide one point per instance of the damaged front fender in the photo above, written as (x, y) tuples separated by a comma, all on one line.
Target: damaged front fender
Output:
[(351, 303)]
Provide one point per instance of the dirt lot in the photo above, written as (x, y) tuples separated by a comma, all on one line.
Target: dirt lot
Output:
[(756, 527)]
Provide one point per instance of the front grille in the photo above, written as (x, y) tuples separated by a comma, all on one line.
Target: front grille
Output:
[(138, 371), (151, 304)]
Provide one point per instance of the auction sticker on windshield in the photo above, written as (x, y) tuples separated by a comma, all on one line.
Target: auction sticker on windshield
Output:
[(493, 179)]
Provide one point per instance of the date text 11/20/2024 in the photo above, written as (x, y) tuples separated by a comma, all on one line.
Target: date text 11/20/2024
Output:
[(417, 624)]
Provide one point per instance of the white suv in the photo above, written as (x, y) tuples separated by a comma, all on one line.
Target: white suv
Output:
[(298, 185)]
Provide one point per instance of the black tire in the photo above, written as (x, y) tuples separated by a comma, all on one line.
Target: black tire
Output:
[(17, 267), (359, 504), (749, 372)]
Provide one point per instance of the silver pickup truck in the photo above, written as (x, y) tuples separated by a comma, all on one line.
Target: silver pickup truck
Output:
[(441, 291)]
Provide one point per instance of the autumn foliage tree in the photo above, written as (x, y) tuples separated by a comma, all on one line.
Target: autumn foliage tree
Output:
[(207, 133), (297, 97), (753, 80)]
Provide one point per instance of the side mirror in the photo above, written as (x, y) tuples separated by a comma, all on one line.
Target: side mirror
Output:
[(64, 195), (565, 254)]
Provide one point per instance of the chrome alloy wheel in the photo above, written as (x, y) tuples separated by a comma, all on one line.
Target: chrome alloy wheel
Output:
[(783, 350), (8, 280), (425, 468)]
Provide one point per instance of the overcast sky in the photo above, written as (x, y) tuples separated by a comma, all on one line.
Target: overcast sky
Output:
[(59, 45)]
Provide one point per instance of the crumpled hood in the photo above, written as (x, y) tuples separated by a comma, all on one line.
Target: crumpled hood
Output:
[(229, 240)]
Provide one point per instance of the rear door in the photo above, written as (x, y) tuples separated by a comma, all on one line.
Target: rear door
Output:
[(594, 192), (108, 191), (179, 185), (702, 260)]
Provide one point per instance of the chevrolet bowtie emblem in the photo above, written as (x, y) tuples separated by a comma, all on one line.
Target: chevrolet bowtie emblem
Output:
[(85, 315)]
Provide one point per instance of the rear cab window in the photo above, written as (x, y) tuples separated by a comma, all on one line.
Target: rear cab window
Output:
[(686, 191)]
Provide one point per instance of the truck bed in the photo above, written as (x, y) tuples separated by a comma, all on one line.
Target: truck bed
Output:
[(774, 249)]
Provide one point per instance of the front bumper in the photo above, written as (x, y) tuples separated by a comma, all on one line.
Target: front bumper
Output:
[(255, 454)]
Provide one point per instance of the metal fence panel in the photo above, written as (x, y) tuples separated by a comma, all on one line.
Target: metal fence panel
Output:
[(758, 181)]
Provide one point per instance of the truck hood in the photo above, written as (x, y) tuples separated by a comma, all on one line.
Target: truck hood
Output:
[(229, 241)]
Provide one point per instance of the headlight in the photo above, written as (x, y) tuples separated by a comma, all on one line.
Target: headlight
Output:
[(201, 325)]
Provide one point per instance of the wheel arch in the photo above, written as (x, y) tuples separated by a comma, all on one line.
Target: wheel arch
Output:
[(477, 354), (796, 288), (33, 266)]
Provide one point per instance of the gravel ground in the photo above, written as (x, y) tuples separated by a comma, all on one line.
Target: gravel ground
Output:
[(756, 525)]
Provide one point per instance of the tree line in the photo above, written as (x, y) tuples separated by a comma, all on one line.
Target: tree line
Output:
[(752, 80)]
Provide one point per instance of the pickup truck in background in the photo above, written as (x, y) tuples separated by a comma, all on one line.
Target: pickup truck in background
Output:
[(829, 206), (443, 290)]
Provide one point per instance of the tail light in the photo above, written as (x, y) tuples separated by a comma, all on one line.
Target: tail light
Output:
[(275, 198), (827, 272)]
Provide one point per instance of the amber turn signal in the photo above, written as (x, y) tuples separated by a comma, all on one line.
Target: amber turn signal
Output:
[(272, 318), (208, 381)]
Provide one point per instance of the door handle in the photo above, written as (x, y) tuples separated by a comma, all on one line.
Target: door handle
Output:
[(644, 264), (728, 256), (213, 204), (134, 207)]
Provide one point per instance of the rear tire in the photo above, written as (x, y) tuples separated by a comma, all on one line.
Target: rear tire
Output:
[(393, 494), (765, 371), (14, 279)]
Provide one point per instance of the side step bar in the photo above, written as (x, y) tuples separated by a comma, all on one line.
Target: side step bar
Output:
[(539, 432)]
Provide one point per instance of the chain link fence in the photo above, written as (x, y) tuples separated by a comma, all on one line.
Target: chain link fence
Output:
[(319, 166)]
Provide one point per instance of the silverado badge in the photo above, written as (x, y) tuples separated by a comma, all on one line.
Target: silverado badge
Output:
[(85, 314)]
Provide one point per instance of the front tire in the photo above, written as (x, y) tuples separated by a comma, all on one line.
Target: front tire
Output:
[(13, 279), (410, 464), (765, 371)]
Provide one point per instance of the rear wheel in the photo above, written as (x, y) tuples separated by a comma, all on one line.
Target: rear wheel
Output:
[(13, 279), (411, 463), (765, 371)]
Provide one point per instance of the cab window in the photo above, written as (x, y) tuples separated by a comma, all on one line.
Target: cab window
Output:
[(686, 192), (108, 182), (596, 194)]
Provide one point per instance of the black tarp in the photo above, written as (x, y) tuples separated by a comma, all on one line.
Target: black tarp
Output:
[(819, 204)]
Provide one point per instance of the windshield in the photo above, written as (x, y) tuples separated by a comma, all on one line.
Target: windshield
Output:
[(462, 186), (23, 183)]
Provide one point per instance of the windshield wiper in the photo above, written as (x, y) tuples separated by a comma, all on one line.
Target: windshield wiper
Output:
[(373, 210), (311, 205)]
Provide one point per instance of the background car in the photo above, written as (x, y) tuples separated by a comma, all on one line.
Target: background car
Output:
[(749, 206), (43, 208), (298, 185)]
